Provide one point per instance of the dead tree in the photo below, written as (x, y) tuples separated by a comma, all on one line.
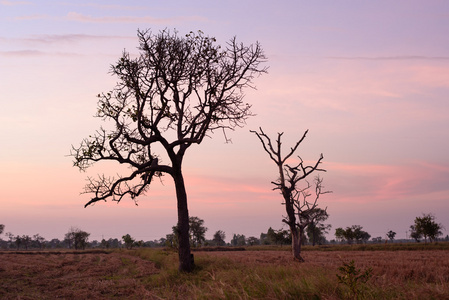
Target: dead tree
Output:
[(177, 91), (300, 204)]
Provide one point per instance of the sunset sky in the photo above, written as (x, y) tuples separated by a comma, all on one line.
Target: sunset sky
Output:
[(369, 79)]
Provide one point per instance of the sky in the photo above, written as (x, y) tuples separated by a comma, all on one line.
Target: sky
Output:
[(368, 79)]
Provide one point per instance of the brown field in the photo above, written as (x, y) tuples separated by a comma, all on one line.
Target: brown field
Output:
[(152, 274)]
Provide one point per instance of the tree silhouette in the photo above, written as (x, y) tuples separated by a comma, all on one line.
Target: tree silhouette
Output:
[(414, 233), (77, 238), (300, 210), (427, 227), (352, 233), (219, 238), (197, 231), (178, 90), (129, 241), (391, 234), (316, 229)]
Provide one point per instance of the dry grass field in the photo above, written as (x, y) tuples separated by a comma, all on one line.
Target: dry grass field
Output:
[(152, 274)]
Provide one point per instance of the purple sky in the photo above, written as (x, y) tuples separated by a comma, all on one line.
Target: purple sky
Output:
[(369, 79)]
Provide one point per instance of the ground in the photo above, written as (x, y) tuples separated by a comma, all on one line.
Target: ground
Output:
[(152, 274)]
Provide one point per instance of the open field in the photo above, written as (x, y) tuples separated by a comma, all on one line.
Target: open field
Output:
[(263, 274)]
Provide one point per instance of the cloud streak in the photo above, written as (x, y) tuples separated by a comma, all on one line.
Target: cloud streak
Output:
[(74, 16), (397, 57), (14, 3), (47, 39), (39, 45), (22, 53), (105, 6)]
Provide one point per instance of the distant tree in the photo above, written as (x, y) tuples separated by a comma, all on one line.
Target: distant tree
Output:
[(283, 237), (340, 234), (345, 234), (359, 235), (352, 233), (300, 210), (264, 239), (104, 244), (18, 241), (316, 230), (238, 240), (427, 227), (81, 239), (76, 238), (94, 244), (415, 233), (23, 241), (114, 243), (377, 239), (11, 239), (219, 238), (316, 233), (271, 236), (129, 241), (252, 240), (2, 228), (162, 242), (54, 243), (171, 240), (197, 231), (391, 234), (175, 93), (39, 240), (365, 236), (276, 237)]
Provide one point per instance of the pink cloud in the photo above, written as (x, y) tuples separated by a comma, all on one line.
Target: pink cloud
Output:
[(360, 183), (212, 188)]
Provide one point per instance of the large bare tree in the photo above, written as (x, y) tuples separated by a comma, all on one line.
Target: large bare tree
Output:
[(177, 91), (300, 204)]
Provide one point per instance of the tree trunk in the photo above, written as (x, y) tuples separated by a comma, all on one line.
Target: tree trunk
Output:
[(185, 258), (296, 243)]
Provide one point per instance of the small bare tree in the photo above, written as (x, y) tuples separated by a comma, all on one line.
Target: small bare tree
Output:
[(300, 204), (175, 93)]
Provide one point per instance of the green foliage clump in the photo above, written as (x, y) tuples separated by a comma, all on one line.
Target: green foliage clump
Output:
[(354, 278)]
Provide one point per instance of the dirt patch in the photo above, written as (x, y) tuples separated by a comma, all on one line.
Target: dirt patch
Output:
[(73, 276)]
